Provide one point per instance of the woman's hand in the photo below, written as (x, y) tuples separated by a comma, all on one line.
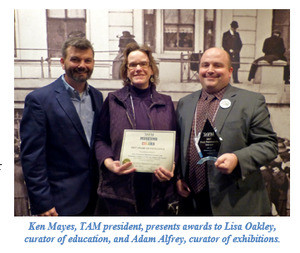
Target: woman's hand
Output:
[(115, 167), (164, 175)]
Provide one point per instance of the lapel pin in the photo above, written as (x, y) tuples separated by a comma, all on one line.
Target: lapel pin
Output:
[(225, 103)]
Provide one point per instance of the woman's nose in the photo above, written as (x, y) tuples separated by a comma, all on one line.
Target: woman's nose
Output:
[(138, 67)]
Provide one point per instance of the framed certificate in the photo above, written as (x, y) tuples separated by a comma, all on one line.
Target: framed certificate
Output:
[(148, 149)]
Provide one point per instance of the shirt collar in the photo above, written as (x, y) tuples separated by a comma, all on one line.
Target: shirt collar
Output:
[(219, 94), (71, 91)]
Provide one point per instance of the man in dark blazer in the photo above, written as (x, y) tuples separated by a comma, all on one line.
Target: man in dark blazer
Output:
[(57, 137), (234, 183), (232, 44)]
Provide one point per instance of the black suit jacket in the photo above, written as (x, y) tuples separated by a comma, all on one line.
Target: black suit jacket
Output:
[(232, 42), (274, 46), (59, 166)]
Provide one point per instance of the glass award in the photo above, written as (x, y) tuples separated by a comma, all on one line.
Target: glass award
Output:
[(209, 143)]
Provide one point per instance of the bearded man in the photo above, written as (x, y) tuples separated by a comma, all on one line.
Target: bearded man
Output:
[(57, 133)]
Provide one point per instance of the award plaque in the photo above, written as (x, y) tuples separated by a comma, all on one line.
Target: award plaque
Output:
[(209, 144)]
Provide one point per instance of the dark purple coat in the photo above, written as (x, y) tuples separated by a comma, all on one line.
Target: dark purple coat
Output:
[(117, 115)]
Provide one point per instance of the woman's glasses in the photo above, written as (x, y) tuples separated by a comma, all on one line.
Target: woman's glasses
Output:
[(133, 65)]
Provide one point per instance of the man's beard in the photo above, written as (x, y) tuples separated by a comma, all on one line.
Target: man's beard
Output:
[(75, 74)]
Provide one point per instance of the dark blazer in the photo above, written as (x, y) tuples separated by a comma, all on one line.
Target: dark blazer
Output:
[(274, 45), (247, 132), (59, 166)]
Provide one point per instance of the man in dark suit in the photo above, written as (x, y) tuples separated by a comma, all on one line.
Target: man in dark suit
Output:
[(57, 137), (232, 184), (232, 44)]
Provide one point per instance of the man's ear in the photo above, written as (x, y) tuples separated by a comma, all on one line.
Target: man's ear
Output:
[(230, 70), (62, 62)]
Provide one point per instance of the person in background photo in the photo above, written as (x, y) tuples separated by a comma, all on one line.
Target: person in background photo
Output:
[(274, 50), (233, 184), (57, 137), (136, 106), (232, 44)]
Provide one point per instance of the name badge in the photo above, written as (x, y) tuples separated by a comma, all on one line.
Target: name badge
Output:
[(225, 103)]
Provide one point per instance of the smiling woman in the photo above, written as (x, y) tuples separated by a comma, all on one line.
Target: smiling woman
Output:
[(139, 67), (139, 71), (136, 106)]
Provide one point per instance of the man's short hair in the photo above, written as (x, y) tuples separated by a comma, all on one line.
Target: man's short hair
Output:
[(79, 43)]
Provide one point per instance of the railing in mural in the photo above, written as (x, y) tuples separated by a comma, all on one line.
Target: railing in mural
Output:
[(44, 66), (37, 59)]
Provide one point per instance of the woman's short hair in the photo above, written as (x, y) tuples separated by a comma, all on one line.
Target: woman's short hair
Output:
[(152, 64)]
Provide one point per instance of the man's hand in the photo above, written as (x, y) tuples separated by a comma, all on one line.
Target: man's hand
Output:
[(226, 163), (115, 167), (51, 212), (183, 188)]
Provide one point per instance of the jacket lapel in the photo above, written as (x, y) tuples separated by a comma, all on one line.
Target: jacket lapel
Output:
[(222, 113), (65, 102), (190, 112), (96, 110)]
